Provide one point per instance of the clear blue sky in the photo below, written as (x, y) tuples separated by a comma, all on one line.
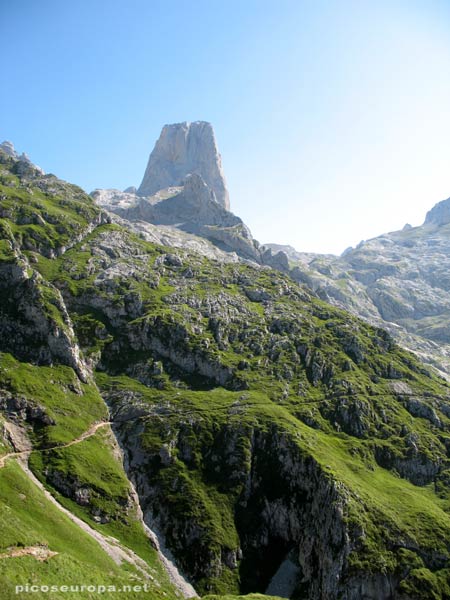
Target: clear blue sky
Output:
[(332, 117)]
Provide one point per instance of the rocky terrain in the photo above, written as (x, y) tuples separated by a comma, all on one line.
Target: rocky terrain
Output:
[(185, 149), (24, 161), (184, 189), (256, 430), (399, 280)]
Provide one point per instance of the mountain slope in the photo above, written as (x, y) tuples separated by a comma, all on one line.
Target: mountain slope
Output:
[(49, 400), (399, 280), (184, 189), (257, 422)]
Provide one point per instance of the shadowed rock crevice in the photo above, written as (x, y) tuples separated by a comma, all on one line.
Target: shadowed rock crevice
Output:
[(260, 424)]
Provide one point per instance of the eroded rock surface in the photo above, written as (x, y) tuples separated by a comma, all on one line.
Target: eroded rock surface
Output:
[(399, 280), (183, 149)]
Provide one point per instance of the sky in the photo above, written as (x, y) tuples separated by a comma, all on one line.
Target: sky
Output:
[(332, 117)]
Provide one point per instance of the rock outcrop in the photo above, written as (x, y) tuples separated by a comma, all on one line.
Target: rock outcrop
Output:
[(439, 214), (24, 160), (32, 308), (8, 148), (184, 189), (398, 280), (190, 207), (183, 149)]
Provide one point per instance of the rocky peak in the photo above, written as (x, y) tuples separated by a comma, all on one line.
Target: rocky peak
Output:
[(439, 214), (183, 149), (8, 148), (196, 187)]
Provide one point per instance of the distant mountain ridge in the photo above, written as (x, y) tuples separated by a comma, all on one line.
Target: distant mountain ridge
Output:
[(398, 280), (209, 406)]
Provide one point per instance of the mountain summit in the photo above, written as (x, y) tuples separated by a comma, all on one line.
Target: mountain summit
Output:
[(184, 188), (24, 163), (183, 149), (439, 214)]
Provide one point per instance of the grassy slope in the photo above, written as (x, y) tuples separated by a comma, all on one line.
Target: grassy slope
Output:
[(281, 341), (94, 464), (43, 220), (413, 510), (29, 519), (72, 405)]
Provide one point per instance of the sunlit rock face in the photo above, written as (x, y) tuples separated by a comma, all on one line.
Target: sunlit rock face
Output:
[(183, 149), (399, 280), (184, 189), (439, 214), (24, 165)]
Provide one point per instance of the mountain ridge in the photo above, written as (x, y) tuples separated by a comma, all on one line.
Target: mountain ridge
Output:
[(398, 280), (257, 422)]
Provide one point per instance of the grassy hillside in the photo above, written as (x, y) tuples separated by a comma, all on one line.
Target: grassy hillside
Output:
[(257, 421), (29, 520)]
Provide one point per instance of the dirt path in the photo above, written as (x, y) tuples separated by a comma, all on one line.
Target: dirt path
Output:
[(26, 452), (87, 434), (109, 544), (15, 455)]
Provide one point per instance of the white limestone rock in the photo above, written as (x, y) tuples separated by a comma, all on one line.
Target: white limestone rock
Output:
[(439, 214), (25, 163), (183, 149), (8, 148)]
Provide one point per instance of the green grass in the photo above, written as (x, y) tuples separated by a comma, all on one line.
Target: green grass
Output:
[(91, 463), (379, 502), (71, 404), (381, 497), (27, 519), (94, 465)]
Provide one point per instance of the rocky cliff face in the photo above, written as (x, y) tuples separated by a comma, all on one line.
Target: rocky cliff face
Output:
[(191, 208), (258, 423), (278, 501), (398, 280), (183, 149), (190, 205), (439, 214), (24, 165), (184, 188)]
